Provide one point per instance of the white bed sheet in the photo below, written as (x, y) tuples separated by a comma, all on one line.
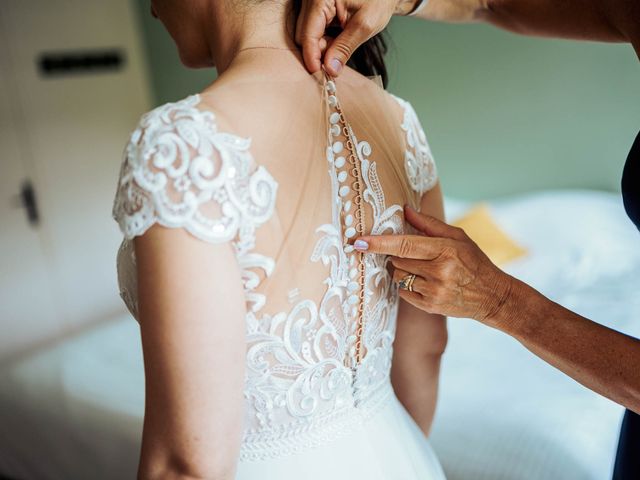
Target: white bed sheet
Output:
[(75, 411), (504, 414)]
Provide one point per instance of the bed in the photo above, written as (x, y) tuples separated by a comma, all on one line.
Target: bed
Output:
[(74, 410), (504, 414)]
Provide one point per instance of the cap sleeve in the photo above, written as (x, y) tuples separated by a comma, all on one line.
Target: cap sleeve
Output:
[(418, 162), (180, 171)]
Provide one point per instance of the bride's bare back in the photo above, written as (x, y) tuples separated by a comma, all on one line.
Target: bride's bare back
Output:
[(264, 331)]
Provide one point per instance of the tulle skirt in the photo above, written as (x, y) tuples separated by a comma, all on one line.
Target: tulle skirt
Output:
[(388, 446)]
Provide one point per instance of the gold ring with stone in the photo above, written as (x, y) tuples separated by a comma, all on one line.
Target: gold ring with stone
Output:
[(407, 282)]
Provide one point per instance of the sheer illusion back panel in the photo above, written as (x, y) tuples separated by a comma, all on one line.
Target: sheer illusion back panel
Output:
[(289, 125), (289, 172), (337, 154)]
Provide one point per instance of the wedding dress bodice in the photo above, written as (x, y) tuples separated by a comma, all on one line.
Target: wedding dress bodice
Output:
[(320, 316)]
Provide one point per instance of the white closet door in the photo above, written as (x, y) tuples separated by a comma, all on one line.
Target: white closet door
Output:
[(77, 122), (27, 306)]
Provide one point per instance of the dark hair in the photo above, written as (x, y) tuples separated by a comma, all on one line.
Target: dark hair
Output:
[(368, 59)]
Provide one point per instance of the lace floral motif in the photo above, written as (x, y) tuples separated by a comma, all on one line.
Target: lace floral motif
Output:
[(380, 299), (304, 384), (419, 165), (301, 376), (180, 171), (177, 164)]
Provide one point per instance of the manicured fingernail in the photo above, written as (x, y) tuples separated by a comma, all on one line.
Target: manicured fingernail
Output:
[(335, 64), (360, 245)]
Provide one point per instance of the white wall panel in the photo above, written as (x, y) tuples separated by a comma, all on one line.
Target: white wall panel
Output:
[(77, 124)]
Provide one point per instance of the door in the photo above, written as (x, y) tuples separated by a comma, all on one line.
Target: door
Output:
[(79, 83), (27, 304)]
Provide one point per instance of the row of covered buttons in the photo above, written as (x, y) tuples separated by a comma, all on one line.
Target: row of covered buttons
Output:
[(337, 156)]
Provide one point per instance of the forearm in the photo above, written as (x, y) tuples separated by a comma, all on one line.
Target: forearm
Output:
[(578, 19), (598, 357), (452, 11), (415, 382), (421, 339), (175, 469), (163, 457)]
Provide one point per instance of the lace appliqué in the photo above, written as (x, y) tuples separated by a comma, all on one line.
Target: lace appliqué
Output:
[(178, 164), (305, 382), (418, 160), (379, 299), (180, 171)]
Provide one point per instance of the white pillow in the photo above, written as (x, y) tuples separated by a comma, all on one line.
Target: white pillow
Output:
[(575, 237)]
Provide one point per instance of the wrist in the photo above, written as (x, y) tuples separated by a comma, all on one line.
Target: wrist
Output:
[(520, 309)]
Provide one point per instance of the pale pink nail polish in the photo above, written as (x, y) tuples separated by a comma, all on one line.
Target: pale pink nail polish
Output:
[(335, 64), (360, 245)]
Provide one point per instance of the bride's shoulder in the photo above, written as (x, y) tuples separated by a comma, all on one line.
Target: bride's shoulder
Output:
[(404, 107), (410, 122), (184, 130), (182, 115), (372, 90), (181, 167), (419, 162)]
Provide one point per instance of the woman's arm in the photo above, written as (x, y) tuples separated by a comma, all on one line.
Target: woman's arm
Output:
[(601, 359), (611, 21), (461, 281), (578, 19), (420, 341), (191, 312)]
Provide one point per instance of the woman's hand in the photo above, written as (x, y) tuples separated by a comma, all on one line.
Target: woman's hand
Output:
[(360, 20), (453, 276)]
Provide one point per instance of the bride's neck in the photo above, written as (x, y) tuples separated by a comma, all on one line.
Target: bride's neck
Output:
[(263, 32)]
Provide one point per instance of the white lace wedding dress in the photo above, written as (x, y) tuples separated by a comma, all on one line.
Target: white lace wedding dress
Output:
[(321, 317)]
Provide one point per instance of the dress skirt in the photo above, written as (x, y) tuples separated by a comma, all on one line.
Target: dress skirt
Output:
[(387, 446)]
